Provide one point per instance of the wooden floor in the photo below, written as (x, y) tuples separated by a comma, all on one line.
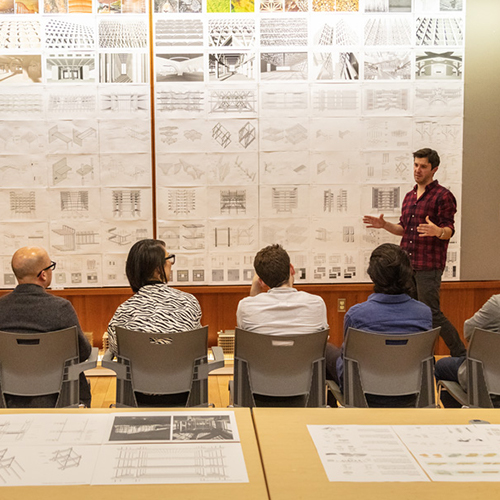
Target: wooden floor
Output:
[(103, 390)]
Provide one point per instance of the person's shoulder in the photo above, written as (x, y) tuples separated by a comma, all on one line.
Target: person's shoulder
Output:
[(311, 297)]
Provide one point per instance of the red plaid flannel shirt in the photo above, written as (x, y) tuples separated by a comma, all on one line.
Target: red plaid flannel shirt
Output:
[(437, 202)]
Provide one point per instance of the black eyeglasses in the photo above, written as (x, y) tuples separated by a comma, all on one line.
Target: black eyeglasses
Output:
[(52, 266), (171, 256)]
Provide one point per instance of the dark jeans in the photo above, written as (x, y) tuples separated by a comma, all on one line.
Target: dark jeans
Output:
[(428, 284)]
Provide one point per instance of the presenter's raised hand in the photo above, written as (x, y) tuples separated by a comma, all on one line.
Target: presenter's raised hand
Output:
[(375, 222)]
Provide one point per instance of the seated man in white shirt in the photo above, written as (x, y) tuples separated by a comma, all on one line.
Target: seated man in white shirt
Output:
[(283, 310)]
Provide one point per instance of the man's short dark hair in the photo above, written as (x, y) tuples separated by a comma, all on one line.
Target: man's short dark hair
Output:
[(431, 155), (390, 270), (144, 259), (272, 265)]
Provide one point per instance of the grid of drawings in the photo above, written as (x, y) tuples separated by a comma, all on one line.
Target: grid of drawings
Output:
[(75, 120), (285, 121)]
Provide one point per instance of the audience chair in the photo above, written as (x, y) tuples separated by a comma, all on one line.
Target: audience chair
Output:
[(42, 364), (483, 373), (393, 366), (164, 366), (279, 370)]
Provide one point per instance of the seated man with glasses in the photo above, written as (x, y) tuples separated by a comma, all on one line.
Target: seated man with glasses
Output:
[(30, 309)]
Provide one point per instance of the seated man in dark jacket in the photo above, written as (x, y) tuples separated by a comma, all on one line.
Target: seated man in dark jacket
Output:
[(390, 309), (30, 309)]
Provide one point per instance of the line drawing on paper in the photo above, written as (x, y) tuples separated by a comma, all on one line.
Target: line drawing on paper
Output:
[(282, 32), (66, 459), (335, 202), (20, 34), (388, 6), (123, 68), (181, 6), (126, 202), (283, 6), (130, 102), (23, 204), (387, 31), (221, 135), (77, 137), (123, 33), (72, 35), (181, 201), (386, 199), (71, 68), (293, 135), (72, 103), (438, 65), (73, 239), (283, 65), (231, 32), (285, 200), (21, 104), (387, 99), (336, 66), (179, 67), (9, 466), (233, 202), (11, 432), (21, 68), (231, 66), (122, 238), (182, 165), (387, 65), (75, 202), (201, 462), (335, 100), (228, 237), (188, 236), (178, 32), (170, 100), (288, 99), (441, 96), (433, 131), (232, 101), (439, 31)]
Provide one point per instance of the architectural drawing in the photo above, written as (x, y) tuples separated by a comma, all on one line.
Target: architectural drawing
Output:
[(126, 203), (439, 100), (72, 137), (284, 101), (132, 136), (69, 7), (71, 68), (75, 270), (20, 234), (282, 32), (181, 6), (123, 33), (342, 166), (238, 235), (180, 102), (387, 134), (392, 166), (387, 31), (338, 101), (386, 198), (387, 101), (13, 104), (233, 102), (439, 31), (123, 68), (66, 458), (74, 34), (283, 66), (335, 66), (231, 66), (117, 103), (438, 65), (232, 169), (72, 103), (183, 235), (274, 167), (74, 240), (23, 204), (335, 134), (283, 6), (20, 69), (278, 137), (232, 202), (179, 67), (113, 270), (9, 466), (20, 34), (441, 133), (226, 32), (183, 170), (291, 233), (388, 6), (178, 32), (387, 65), (335, 5)]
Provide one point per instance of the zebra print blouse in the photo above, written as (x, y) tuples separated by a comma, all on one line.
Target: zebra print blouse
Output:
[(156, 308)]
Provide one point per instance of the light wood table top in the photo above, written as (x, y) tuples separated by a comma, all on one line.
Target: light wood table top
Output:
[(294, 470), (255, 489)]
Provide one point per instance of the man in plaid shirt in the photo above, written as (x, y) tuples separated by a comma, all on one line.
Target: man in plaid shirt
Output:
[(426, 226)]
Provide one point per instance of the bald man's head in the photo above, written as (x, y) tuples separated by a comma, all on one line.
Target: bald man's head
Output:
[(27, 263)]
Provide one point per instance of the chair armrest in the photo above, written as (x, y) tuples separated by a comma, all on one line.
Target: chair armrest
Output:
[(117, 365), (91, 362), (335, 390), (455, 390), (108, 356), (218, 361)]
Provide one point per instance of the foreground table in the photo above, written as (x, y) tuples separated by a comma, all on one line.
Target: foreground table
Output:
[(254, 489), (294, 470)]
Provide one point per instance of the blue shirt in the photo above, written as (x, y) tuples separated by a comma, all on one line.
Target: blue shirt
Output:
[(385, 313)]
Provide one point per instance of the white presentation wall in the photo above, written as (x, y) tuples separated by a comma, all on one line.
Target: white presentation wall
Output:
[(279, 122)]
